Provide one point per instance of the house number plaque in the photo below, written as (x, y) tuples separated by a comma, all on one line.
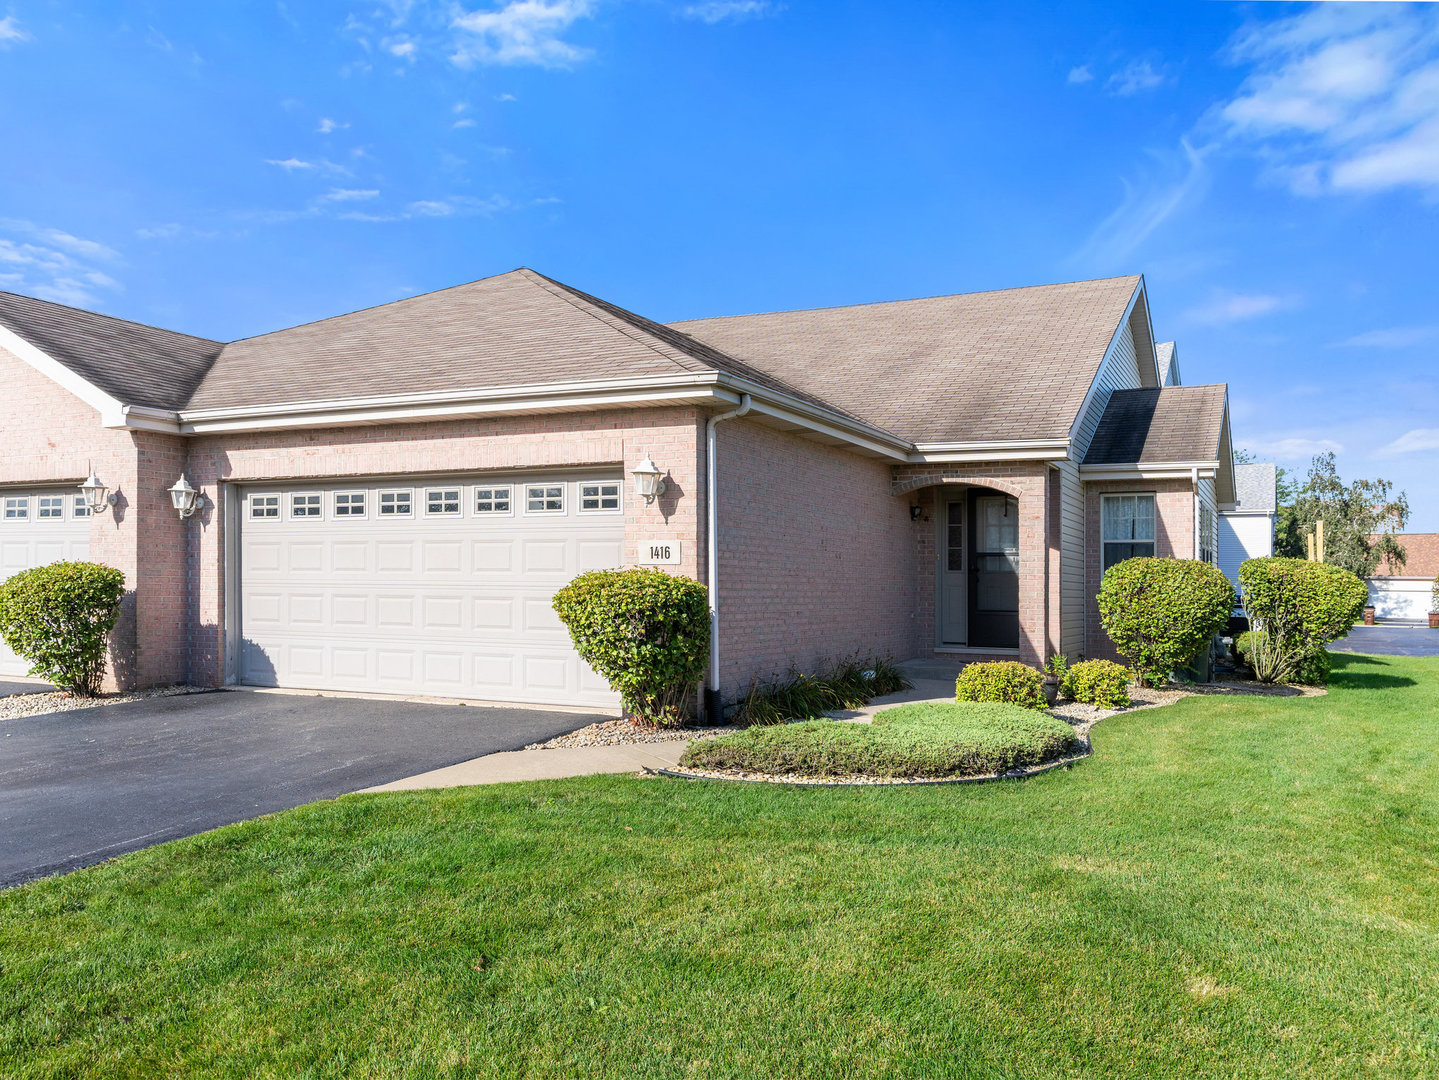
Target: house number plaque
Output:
[(659, 552)]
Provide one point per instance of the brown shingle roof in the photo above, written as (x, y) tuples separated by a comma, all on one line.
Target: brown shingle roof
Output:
[(1010, 364), (132, 362), (1176, 423), (1421, 556)]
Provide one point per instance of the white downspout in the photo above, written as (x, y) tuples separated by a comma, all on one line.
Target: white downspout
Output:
[(1194, 479), (713, 711)]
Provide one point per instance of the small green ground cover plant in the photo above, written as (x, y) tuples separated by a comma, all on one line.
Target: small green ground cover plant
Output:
[(1161, 612), (1235, 886), (849, 684), (59, 618), (1295, 608), (1098, 682), (1003, 682), (645, 632), (929, 739)]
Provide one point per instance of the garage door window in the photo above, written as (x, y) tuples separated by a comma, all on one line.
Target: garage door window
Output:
[(263, 507), (308, 505), (350, 504), (17, 508), (545, 499), (492, 500), (395, 504), (600, 498), (442, 502), (79, 508), (51, 507)]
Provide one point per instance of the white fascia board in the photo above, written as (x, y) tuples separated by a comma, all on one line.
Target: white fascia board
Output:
[(110, 409), (993, 450), (782, 406), (1108, 350), (1169, 470)]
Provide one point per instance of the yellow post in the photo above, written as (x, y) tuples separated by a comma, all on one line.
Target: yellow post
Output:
[(1309, 545), (1319, 540)]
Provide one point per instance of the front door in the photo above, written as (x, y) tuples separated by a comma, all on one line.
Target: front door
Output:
[(994, 572), (953, 576)]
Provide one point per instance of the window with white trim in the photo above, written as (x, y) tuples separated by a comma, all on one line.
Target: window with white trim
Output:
[(307, 504), (442, 502), (1128, 527), (544, 498), (263, 507), (51, 507), (350, 504), (79, 507), (396, 504), (601, 496), (494, 499), (17, 507), (1208, 535)]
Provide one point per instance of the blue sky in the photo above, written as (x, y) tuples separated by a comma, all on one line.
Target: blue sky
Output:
[(229, 168)]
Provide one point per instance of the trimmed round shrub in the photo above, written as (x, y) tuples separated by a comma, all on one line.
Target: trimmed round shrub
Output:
[(645, 632), (59, 618), (1160, 612), (926, 739), (1300, 606), (1004, 681), (1098, 682)]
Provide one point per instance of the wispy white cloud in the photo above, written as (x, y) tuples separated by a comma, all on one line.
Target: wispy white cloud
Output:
[(11, 33), (165, 231), (1399, 337), (1294, 447), (350, 194), (1411, 442), (1149, 201), (55, 265), (1134, 78), (506, 97), (520, 32), (1342, 97), (718, 11), (326, 126), (294, 164), (290, 164), (404, 48), (1224, 307), (1080, 75)]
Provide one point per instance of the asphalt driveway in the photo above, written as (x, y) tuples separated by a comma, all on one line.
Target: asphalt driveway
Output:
[(1390, 640), (9, 686), (80, 787)]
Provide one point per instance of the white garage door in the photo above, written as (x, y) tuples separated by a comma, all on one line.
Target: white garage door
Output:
[(38, 528), (1400, 599), (424, 587)]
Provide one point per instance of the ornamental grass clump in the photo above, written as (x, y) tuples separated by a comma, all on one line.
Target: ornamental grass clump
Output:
[(1004, 681), (1160, 612), (800, 696), (1098, 682), (645, 632), (59, 618), (1295, 608)]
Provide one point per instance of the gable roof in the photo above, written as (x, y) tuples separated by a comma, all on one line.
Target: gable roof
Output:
[(1421, 556), (1002, 365), (515, 329), (133, 363), (1167, 357), (1169, 425), (1256, 488)]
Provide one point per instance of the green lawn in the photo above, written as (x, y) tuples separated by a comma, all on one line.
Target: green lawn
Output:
[(1228, 888)]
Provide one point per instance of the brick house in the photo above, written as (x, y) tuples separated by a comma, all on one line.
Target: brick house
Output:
[(389, 498)]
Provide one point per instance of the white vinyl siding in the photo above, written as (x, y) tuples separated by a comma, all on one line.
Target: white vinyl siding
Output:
[(36, 539), (438, 603), (1119, 371), (1072, 596)]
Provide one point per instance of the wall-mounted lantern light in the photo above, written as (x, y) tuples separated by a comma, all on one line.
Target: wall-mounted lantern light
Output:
[(648, 484), (915, 512), (185, 497), (97, 495)]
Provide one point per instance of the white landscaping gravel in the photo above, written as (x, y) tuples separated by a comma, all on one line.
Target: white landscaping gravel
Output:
[(25, 705), (625, 733)]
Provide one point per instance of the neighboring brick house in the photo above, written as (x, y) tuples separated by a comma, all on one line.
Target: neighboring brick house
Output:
[(390, 498), (1406, 593)]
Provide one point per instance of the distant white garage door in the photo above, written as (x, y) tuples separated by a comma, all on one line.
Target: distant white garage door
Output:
[(1401, 599), (424, 587), (38, 528)]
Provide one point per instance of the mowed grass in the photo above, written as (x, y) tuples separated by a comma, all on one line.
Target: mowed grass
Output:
[(1230, 887)]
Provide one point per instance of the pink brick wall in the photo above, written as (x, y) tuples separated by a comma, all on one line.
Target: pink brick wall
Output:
[(672, 436), (816, 556), (1027, 481), (1173, 538)]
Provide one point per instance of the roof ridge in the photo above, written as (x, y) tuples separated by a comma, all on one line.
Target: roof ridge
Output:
[(108, 317), (909, 299)]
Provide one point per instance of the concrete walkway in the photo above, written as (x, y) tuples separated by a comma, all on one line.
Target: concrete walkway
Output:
[(545, 765), (933, 681)]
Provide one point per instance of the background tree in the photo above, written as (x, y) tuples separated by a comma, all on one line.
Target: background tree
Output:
[(1352, 514)]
